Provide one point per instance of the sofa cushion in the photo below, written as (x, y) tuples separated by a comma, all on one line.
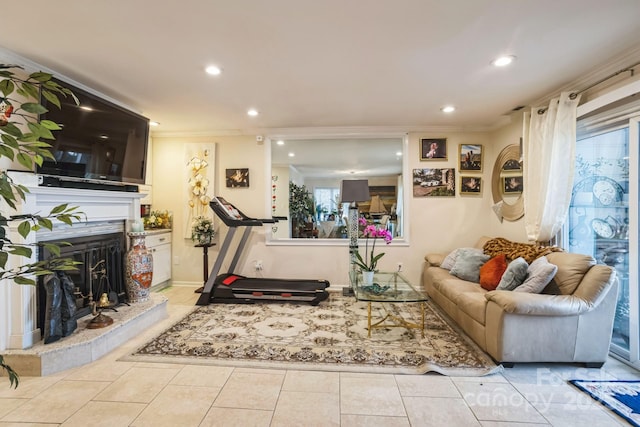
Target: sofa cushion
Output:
[(514, 275), (450, 259), (468, 263), (450, 286), (474, 304), (491, 272), (571, 270), (539, 274)]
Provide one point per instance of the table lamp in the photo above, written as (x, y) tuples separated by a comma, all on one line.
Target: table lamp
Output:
[(353, 191)]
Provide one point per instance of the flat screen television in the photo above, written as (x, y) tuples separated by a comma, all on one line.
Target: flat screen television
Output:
[(99, 142)]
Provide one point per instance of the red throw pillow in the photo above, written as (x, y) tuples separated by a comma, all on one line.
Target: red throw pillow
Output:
[(491, 272)]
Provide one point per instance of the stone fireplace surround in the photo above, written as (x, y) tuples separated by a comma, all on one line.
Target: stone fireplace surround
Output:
[(104, 210)]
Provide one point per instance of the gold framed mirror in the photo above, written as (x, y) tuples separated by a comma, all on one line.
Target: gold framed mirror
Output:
[(506, 183)]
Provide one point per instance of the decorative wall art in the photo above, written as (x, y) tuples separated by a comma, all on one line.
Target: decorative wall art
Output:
[(199, 180), (471, 185), (434, 182), (433, 149), (470, 156), (237, 178), (512, 184)]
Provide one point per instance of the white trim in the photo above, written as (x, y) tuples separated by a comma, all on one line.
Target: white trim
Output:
[(608, 98), (634, 294)]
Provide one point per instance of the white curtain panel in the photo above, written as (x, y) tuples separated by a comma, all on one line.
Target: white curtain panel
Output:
[(549, 156)]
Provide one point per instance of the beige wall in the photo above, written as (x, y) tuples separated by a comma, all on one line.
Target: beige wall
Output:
[(436, 224)]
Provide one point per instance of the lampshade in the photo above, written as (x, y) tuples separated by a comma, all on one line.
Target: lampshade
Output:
[(377, 207), (354, 190)]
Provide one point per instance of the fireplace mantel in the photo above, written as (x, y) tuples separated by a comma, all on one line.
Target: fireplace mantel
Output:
[(18, 328)]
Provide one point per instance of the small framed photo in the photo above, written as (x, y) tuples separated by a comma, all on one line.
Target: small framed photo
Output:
[(471, 185), (237, 178), (512, 184), (433, 149), (434, 182), (470, 156)]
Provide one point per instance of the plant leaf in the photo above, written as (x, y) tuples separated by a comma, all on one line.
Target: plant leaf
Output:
[(33, 107), (51, 97), (25, 160), (20, 251), (7, 87), (51, 125), (24, 228)]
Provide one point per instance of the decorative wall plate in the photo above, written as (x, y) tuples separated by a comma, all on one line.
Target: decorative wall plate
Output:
[(607, 191), (602, 228)]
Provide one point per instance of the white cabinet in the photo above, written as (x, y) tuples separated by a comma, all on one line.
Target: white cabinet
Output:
[(159, 243)]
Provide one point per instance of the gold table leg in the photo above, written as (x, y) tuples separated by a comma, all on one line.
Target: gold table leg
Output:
[(369, 319), (396, 321)]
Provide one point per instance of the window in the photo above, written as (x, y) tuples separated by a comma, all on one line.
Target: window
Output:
[(327, 202)]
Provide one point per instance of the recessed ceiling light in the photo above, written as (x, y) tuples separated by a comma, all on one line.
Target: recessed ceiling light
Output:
[(252, 112), (448, 109), (503, 61), (154, 124), (104, 136), (213, 70), (280, 142), (292, 154)]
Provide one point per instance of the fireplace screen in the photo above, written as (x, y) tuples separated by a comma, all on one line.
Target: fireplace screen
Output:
[(101, 271)]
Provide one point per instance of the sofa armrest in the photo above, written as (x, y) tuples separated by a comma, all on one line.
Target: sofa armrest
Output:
[(434, 259), (538, 304)]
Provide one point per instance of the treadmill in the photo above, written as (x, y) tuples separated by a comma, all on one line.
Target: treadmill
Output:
[(234, 288)]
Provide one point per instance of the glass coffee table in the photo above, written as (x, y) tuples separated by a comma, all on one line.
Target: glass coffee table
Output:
[(389, 288)]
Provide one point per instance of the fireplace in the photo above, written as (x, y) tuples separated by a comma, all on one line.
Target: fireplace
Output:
[(101, 271), (105, 212)]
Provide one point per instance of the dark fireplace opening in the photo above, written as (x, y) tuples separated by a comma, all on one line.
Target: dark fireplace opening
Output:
[(101, 271)]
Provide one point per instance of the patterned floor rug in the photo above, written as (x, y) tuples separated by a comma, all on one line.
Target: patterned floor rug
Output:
[(623, 397), (331, 336)]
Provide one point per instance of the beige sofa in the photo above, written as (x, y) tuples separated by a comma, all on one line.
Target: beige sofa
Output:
[(570, 321)]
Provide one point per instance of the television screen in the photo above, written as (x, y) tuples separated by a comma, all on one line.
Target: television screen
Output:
[(99, 140)]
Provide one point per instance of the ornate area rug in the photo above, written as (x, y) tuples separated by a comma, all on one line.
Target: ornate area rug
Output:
[(623, 397), (331, 336)]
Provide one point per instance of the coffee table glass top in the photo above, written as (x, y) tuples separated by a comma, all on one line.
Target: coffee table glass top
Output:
[(386, 287)]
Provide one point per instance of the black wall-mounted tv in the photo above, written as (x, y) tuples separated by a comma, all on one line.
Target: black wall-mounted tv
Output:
[(99, 142)]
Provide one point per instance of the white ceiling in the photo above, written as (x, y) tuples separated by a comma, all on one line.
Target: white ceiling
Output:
[(328, 63)]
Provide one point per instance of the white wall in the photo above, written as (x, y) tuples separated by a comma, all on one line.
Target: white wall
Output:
[(436, 224)]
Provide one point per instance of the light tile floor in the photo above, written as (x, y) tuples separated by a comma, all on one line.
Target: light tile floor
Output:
[(113, 393)]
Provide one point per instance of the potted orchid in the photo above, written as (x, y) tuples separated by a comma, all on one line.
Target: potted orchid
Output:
[(370, 261)]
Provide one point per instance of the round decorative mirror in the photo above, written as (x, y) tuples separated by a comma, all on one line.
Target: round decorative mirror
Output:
[(506, 183)]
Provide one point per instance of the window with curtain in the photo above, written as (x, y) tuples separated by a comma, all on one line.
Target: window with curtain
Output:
[(603, 217)]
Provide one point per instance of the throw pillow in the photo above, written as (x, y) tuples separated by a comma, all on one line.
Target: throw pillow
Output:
[(491, 272), (539, 274), (468, 263), (514, 275), (448, 262)]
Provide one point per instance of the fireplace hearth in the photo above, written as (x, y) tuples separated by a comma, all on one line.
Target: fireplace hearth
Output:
[(101, 271)]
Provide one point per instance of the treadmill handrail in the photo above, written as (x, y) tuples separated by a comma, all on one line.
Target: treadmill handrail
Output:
[(221, 211)]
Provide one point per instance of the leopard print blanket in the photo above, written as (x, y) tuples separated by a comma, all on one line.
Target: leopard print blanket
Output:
[(514, 250)]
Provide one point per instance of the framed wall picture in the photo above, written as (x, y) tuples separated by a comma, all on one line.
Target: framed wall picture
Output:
[(470, 156), (433, 149), (436, 182), (512, 184), (237, 178), (471, 185)]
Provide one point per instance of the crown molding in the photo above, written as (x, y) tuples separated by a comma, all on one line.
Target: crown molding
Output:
[(350, 131)]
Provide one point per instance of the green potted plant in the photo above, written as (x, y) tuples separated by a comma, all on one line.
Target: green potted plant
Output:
[(300, 207), (23, 139)]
